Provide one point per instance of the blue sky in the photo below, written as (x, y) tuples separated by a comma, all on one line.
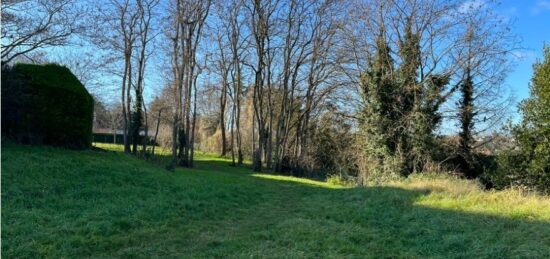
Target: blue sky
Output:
[(532, 24)]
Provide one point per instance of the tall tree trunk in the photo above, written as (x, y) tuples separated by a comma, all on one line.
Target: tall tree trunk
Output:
[(136, 123), (238, 125), (156, 133), (128, 105), (223, 102), (253, 146), (146, 130), (257, 156), (124, 111), (233, 136), (176, 69), (466, 124), (192, 138)]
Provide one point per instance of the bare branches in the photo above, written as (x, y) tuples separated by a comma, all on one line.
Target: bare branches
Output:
[(29, 25), (188, 20)]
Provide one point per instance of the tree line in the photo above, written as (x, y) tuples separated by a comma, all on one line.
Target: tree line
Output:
[(369, 89)]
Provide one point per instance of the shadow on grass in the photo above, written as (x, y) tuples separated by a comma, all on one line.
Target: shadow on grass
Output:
[(206, 212), (319, 220), (201, 164)]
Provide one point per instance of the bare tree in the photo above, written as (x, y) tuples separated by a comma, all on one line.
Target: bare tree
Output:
[(115, 119), (223, 65), (485, 43), (31, 25), (126, 30), (321, 69), (146, 9), (228, 35), (237, 45), (159, 111), (118, 33), (260, 23), (188, 20)]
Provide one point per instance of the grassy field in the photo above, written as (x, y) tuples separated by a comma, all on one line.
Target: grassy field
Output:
[(58, 203)]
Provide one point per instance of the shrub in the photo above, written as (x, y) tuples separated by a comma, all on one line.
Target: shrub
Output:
[(525, 167), (342, 180), (108, 138), (46, 104), (330, 150), (528, 164)]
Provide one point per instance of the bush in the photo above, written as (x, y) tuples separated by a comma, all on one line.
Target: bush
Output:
[(517, 168), (508, 172), (108, 138), (46, 104), (342, 180), (331, 150), (447, 159), (528, 164)]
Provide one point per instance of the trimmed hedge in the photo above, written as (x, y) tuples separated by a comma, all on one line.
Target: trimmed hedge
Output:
[(109, 138), (46, 104)]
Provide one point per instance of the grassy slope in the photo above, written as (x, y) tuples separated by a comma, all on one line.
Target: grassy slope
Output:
[(59, 203)]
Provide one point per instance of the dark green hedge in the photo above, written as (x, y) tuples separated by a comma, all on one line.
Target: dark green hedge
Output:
[(46, 104), (109, 138)]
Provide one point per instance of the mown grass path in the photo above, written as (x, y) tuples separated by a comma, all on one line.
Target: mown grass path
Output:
[(58, 203)]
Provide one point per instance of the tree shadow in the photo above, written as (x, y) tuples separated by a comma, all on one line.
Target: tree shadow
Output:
[(285, 217), (89, 205), (306, 217)]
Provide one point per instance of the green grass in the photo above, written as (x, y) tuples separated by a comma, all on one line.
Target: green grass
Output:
[(58, 203)]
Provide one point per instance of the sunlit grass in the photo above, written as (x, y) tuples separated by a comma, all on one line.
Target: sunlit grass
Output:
[(71, 204), (300, 181), (463, 195), (166, 152)]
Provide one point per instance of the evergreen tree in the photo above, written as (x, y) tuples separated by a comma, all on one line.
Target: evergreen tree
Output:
[(533, 133), (426, 118), (466, 116), (401, 112), (409, 97), (136, 123), (377, 136)]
